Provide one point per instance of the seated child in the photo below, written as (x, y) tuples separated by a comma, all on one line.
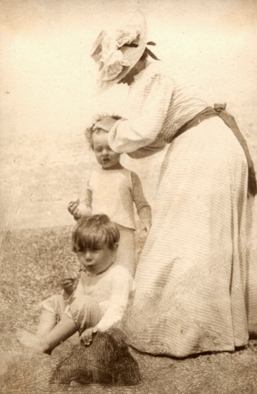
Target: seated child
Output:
[(113, 190), (101, 296)]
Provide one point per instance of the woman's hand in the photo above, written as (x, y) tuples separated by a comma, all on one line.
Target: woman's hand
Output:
[(144, 227), (86, 338)]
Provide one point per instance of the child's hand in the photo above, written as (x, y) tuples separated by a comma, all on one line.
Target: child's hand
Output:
[(78, 210), (86, 337), (68, 285), (73, 209)]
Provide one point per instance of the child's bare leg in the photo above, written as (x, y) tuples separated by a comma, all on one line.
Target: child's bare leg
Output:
[(51, 312), (87, 314), (63, 330)]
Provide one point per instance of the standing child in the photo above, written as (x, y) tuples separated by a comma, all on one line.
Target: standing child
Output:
[(101, 296), (113, 190)]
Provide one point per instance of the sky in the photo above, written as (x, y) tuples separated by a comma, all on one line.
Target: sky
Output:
[(47, 85)]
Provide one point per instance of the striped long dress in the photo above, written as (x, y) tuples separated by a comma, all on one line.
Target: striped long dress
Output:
[(191, 278)]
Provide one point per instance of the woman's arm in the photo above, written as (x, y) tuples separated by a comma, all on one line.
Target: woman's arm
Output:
[(148, 111)]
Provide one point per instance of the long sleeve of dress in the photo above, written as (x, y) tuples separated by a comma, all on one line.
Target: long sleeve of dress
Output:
[(148, 105), (142, 206)]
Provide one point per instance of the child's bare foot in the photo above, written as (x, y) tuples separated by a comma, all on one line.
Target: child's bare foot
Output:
[(32, 341)]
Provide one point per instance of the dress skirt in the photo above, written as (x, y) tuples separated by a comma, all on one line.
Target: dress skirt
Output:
[(191, 278)]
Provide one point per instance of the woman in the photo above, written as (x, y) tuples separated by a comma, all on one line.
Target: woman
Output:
[(191, 277)]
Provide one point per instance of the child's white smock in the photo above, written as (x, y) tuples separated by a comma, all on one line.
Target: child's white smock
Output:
[(99, 300), (117, 193)]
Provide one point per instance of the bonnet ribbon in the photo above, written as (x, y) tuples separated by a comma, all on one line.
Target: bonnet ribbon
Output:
[(150, 53)]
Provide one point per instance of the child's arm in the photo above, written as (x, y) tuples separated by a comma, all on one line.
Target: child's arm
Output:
[(143, 208), (81, 208), (122, 285), (85, 205)]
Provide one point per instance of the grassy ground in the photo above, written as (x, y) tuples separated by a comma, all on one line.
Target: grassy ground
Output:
[(27, 258)]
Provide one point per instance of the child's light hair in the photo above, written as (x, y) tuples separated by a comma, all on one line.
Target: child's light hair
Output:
[(94, 232), (93, 128)]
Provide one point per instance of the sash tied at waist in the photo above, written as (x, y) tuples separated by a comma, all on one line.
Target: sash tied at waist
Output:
[(229, 120)]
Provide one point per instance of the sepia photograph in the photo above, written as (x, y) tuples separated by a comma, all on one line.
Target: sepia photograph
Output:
[(128, 213)]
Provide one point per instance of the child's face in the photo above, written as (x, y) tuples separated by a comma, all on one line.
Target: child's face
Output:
[(97, 260), (105, 156)]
